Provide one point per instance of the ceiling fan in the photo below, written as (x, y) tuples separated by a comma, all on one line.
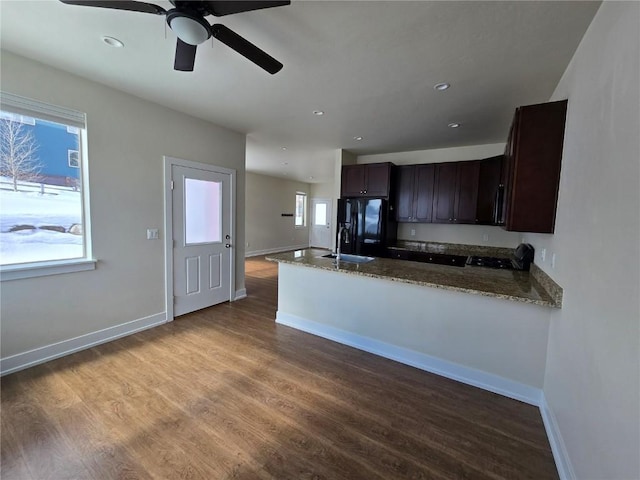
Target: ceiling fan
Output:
[(188, 23)]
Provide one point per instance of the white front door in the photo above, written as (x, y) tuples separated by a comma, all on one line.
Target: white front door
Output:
[(201, 216), (320, 233)]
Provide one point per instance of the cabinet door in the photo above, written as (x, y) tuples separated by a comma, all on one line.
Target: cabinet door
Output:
[(488, 190), (537, 158), (423, 193), (404, 193), (466, 197), (444, 192), (377, 179), (353, 181)]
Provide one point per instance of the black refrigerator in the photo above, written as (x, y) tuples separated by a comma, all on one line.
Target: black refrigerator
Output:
[(369, 226)]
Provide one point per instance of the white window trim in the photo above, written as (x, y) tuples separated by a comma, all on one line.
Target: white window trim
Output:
[(24, 106), (41, 269)]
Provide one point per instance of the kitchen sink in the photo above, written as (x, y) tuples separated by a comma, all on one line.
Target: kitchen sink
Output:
[(347, 257)]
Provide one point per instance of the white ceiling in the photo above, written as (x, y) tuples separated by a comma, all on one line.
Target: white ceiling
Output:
[(369, 65)]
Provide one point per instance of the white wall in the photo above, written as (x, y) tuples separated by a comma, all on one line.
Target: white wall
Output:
[(266, 229), (322, 190), (436, 232), (499, 337), (127, 138), (592, 379)]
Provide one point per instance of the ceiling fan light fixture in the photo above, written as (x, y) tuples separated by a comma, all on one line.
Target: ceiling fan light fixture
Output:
[(441, 86), (189, 29)]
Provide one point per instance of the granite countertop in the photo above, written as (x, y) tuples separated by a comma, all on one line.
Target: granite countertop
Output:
[(512, 285)]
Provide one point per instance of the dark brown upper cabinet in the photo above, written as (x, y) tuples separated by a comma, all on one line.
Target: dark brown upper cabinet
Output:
[(455, 192), (490, 191), (414, 193), (531, 173), (366, 180)]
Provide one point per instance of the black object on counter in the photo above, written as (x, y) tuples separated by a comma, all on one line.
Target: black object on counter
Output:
[(520, 260), (523, 257)]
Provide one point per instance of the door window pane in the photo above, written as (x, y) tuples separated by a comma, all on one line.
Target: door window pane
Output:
[(202, 211), (320, 216)]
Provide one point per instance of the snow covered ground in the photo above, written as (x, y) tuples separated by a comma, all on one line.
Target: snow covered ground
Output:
[(57, 207)]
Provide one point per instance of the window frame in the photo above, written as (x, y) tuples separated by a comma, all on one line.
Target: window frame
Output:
[(36, 109), (304, 211)]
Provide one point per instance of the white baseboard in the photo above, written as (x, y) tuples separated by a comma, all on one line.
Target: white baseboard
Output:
[(240, 294), (36, 356), (560, 454), (471, 376), (255, 253)]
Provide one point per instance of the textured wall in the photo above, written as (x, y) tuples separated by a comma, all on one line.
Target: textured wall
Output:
[(127, 138)]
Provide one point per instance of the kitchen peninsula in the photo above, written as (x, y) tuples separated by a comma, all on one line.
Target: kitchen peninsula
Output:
[(483, 327)]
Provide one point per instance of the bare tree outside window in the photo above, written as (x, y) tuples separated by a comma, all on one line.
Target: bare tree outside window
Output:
[(18, 153)]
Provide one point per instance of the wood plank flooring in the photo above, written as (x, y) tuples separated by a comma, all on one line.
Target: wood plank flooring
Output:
[(225, 393)]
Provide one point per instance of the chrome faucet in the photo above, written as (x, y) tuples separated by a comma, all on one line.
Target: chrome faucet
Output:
[(340, 230)]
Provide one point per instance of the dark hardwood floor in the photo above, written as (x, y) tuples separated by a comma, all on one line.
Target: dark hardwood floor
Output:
[(226, 393)]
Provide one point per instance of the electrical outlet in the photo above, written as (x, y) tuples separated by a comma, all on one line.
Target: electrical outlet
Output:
[(152, 234), (413, 232), (553, 260), (485, 237), (543, 254)]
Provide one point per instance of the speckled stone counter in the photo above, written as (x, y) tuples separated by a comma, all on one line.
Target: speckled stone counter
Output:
[(506, 284)]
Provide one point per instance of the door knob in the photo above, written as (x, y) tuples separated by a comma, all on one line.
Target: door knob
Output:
[(227, 245), (227, 237)]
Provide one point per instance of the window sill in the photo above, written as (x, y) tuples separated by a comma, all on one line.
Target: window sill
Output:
[(41, 269)]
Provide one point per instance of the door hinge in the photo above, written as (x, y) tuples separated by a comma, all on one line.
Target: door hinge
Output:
[(171, 184)]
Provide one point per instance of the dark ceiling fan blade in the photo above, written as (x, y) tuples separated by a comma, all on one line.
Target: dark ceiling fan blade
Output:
[(220, 8), (246, 48), (185, 56), (120, 5)]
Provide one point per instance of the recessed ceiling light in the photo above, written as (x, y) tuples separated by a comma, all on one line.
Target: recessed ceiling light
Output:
[(357, 138), (284, 148), (453, 125), (112, 42), (441, 86), (319, 113)]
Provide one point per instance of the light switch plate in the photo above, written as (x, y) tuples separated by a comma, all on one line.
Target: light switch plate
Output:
[(152, 234)]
